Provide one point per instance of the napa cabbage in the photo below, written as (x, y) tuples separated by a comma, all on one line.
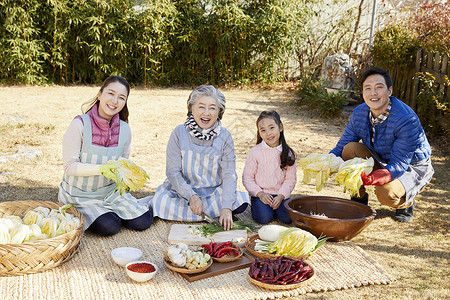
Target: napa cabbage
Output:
[(292, 242), (127, 175), (319, 167), (349, 174), (5, 237)]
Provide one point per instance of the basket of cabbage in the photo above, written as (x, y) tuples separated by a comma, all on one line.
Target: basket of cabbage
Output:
[(36, 236), (275, 240)]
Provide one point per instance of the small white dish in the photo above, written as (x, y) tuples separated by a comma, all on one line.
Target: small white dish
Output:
[(140, 276), (125, 255)]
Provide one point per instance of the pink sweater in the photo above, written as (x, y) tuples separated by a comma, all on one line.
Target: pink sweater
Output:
[(262, 172)]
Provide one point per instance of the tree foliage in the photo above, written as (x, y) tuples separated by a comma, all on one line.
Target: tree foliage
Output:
[(394, 48), (148, 41), (432, 25)]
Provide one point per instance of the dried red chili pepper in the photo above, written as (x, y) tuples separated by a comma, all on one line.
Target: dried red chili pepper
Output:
[(263, 270)]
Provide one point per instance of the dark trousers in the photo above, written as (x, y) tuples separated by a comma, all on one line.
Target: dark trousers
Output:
[(263, 213), (109, 224), (240, 209)]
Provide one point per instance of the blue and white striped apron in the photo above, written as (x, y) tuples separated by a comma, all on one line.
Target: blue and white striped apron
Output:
[(94, 195), (201, 168)]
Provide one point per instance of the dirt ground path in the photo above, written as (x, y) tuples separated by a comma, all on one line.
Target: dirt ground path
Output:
[(416, 254)]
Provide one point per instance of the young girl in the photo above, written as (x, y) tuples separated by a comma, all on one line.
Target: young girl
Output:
[(270, 173), (101, 134)]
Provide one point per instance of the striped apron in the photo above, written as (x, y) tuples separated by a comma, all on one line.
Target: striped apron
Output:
[(94, 195), (201, 168)]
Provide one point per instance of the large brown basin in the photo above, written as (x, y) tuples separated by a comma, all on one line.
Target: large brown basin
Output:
[(345, 218)]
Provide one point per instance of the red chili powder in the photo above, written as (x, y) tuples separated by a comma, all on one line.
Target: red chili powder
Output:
[(141, 268)]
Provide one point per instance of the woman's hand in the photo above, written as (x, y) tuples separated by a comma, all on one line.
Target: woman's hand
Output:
[(277, 201), (265, 198), (196, 205), (226, 218)]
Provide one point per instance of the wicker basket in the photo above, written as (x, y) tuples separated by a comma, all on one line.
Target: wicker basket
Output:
[(280, 286), (227, 257), (42, 255), (185, 270)]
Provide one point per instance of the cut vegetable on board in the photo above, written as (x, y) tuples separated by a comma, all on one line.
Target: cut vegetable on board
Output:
[(183, 233)]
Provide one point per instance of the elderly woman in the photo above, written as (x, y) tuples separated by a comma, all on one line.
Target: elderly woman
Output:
[(200, 165)]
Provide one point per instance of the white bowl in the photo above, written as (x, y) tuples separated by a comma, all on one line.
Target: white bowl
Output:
[(141, 277), (124, 255)]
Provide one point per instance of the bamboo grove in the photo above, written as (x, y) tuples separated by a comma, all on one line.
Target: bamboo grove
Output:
[(148, 42)]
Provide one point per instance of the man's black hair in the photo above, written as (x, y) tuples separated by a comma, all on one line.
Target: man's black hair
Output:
[(380, 71)]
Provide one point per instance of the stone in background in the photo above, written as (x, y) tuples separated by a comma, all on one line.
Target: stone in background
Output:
[(337, 72)]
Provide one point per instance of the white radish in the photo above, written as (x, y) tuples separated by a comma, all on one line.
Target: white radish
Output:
[(271, 233)]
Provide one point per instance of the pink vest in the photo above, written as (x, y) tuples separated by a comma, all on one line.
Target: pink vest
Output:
[(104, 133)]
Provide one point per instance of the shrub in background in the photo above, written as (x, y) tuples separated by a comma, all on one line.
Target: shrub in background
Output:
[(433, 108), (313, 93), (394, 48)]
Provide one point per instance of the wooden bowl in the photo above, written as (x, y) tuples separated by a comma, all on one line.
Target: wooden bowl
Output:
[(184, 270), (250, 246), (281, 286), (344, 219)]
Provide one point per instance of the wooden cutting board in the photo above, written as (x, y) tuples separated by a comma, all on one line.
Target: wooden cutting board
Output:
[(218, 268), (179, 234)]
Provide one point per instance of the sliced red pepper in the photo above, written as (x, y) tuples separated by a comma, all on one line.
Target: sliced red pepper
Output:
[(207, 247), (223, 251), (220, 246), (214, 249)]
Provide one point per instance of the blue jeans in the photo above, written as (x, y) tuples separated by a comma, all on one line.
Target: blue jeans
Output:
[(109, 224), (263, 213)]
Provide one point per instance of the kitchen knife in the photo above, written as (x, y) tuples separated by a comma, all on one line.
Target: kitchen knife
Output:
[(208, 218)]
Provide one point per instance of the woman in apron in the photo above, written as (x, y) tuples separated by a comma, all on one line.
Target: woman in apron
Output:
[(101, 134), (200, 166)]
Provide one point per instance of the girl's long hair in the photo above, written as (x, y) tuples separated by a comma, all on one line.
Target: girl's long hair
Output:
[(287, 154), (123, 114)]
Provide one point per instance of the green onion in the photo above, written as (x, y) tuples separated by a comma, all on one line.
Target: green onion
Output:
[(213, 228)]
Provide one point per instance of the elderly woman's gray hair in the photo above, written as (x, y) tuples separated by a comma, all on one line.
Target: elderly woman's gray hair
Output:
[(206, 90)]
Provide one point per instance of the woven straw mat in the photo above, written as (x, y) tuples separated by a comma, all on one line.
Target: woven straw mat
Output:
[(91, 273)]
